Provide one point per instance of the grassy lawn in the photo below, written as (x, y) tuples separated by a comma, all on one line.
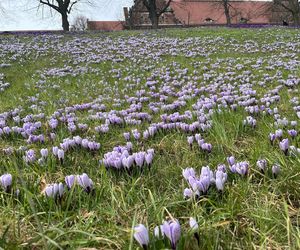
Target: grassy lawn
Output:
[(230, 88)]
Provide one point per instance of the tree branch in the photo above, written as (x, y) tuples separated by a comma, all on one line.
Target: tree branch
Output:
[(72, 4), (50, 5), (165, 8), (280, 3)]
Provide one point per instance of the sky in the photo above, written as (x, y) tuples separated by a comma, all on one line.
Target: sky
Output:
[(25, 15)]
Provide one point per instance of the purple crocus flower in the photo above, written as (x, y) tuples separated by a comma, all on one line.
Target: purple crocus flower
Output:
[(188, 193), (231, 160), (126, 136), (55, 151), (139, 158), (141, 235), (188, 172), (52, 190), (29, 156), (221, 178), (272, 138), (158, 231), (261, 164), (240, 167), (284, 146), (190, 140), (193, 224), (279, 133), (60, 154), (6, 182), (293, 133), (206, 147), (171, 229), (85, 182), (69, 179), (44, 152), (275, 170), (149, 158)]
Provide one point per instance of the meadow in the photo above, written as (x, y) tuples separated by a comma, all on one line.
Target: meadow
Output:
[(168, 139)]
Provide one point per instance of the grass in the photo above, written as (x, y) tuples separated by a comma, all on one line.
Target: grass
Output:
[(253, 212)]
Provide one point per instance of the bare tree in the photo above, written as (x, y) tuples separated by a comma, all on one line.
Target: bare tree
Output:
[(226, 6), (291, 6), (80, 23), (63, 7), (156, 9)]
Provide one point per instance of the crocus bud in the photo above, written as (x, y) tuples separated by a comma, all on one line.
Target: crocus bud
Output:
[(141, 235), (190, 140), (272, 138), (261, 164), (221, 178), (172, 231), (275, 170), (293, 133), (230, 160), (85, 182), (60, 154), (6, 182), (284, 146), (44, 152), (70, 179), (188, 172), (193, 224), (188, 193)]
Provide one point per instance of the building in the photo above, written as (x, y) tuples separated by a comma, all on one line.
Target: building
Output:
[(106, 25), (198, 13)]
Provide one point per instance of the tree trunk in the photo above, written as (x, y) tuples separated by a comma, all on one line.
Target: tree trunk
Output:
[(226, 11), (65, 22), (154, 22), (153, 17)]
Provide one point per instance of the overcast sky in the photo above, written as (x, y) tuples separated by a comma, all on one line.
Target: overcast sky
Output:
[(24, 15)]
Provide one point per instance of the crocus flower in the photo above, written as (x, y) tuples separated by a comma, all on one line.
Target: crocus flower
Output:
[(148, 158), (230, 160), (44, 152), (126, 136), (85, 182), (275, 170), (141, 235), (69, 179), (242, 168), (261, 164), (60, 154), (190, 140), (293, 133), (188, 172), (6, 181), (221, 178), (52, 190), (29, 156), (194, 227), (158, 231), (188, 193), (172, 231), (284, 146), (279, 133), (272, 138), (193, 223)]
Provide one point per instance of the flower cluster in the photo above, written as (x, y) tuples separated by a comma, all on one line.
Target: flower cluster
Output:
[(121, 158), (56, 190), (170, 230)]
